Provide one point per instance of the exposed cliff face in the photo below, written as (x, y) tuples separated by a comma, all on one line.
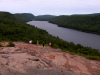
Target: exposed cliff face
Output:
[(28, 59)]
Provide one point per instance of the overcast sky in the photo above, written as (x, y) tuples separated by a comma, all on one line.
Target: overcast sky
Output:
[(53, 7)]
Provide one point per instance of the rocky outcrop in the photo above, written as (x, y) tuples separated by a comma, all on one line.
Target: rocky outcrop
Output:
[(28, 59)]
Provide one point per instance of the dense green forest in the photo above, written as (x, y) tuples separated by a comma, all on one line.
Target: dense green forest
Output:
[(24, 17), (12, 29), (86, 23)]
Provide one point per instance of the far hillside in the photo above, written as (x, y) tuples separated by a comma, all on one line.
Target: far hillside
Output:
[(25, 17), (86, 23), (45, 16)]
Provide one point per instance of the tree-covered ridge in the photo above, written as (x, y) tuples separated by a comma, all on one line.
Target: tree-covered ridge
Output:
[(12, 29), (25, 17), (44, 16), (85, 23)]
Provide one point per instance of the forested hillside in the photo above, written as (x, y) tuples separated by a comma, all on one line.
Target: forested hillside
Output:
[(12, 29), (85, 23), (25, 17), (44, 16)]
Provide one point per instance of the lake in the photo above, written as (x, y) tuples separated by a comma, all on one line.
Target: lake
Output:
[(70, 35)]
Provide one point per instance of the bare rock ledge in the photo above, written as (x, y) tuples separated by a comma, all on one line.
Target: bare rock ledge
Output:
[(29, 59)]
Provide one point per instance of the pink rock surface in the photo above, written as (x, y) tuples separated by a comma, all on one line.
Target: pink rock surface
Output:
[(29, 59)]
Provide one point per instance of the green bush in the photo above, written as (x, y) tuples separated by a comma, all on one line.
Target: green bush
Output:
[(55, 46), (92, 57), (10, 44), (63, 50), (1, 45)]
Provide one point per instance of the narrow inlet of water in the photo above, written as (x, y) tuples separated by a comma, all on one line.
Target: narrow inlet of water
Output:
[(70, 35)]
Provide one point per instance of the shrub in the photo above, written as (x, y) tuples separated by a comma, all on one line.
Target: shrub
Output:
[(55, 46), (93, 57), (10, 44), (63, 50), (1, 45)]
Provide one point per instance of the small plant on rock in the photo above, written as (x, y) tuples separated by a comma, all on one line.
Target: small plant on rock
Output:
[(10, 44), (55, 46), (1, 45)]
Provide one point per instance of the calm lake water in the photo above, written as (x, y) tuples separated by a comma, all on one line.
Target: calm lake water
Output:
[(70, 35)]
